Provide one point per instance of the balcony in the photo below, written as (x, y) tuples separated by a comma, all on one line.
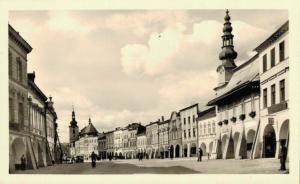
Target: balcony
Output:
[(277, 107)]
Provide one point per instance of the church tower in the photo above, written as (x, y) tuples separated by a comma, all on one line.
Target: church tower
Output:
[(73, 130), (227, 55)]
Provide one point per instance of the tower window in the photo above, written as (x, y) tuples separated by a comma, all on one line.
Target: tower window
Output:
[(281, 51), (272, 57), (73, 131)]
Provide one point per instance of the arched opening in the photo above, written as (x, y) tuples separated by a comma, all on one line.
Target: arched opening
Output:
[(230, 151), (185, 150), (284, 133), (18, 149), (203, 147), (250, 140), (120, 155), (193, 150), (269, 138), (161, 151), (40, 156), (177, 151), (171, 151)]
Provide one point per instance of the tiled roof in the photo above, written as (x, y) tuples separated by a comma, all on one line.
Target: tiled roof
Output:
[(247, 72)]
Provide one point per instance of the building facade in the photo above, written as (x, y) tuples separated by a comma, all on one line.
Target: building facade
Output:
[(207, 124), (87, 142), (152, 140), (175, 135), (236, 101), (109, 144), (188, 118), (274, 90), (102, 149), (118, 142), (28, 107), (165, 150), (141, 142)]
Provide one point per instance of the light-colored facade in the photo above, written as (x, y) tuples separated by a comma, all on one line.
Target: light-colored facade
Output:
[(118, 142), (163, 139), (207, 124), (87, 142), (141, 142), (274, 90), (175, 135), (188, 118), (28, 109), (102, 149), (152, 140), (236, 101), (109, 144)]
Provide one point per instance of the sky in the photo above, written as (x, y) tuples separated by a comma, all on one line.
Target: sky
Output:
[(124, 66)]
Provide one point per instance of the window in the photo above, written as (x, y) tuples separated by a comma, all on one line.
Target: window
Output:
[(281, 51), (10, 63), (184, 121), (273, 94), (204, 129), (184, 134), (194, 132), (213, 128), (194, 119), (265, 63), (200, 129), (265, 97), (11, 110), (189, 119), (272, 57), (19, 69), (209, 128), (20, 113), (282, 90), (73, 131), (189, 132)]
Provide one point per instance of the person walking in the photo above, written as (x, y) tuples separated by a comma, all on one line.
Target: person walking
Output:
[(23, 162), (200, 153), (94, 158), (282, 157)]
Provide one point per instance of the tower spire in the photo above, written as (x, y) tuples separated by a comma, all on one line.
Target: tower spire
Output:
[(228, 54)]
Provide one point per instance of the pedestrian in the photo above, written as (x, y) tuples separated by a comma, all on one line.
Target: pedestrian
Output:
[(94, 158), (282, 157), (23, 162), (208, 155), (200, 153)]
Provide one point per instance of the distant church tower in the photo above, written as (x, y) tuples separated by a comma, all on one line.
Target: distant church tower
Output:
[(227, 55), (73, 130)]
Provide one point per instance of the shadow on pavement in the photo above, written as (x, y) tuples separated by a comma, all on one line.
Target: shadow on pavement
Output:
[(109, 168)]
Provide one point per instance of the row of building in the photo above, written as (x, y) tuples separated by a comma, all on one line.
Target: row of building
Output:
[(32, 117), (247, 118)]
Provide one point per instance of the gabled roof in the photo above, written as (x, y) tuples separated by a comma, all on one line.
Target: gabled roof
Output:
[(89, 130), (189, 107), (243, 75), (280, 31)]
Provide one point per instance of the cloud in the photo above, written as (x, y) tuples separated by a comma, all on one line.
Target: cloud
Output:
[(62, 21)]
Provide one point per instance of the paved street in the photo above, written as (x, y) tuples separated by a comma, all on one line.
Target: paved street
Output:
[(166, 166)]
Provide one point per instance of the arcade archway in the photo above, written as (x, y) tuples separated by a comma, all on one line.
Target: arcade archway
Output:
[(269, 142)]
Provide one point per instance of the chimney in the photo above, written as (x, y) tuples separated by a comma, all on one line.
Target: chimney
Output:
[(162, 118), (31, 76)]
